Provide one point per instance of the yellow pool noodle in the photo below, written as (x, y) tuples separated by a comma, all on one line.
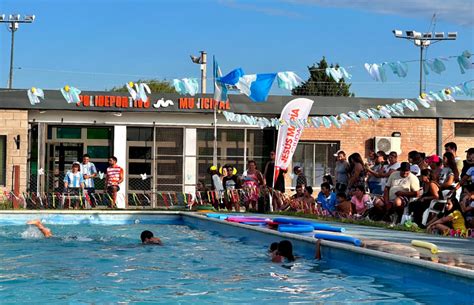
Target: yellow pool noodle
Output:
[(425, 244)]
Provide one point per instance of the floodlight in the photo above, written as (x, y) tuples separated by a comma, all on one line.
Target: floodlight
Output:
[(397, 33), (427, 35), (416, 34), (30, 18), (14, 17), (439, 35), (2, 17), (410, 33), (452, 35)]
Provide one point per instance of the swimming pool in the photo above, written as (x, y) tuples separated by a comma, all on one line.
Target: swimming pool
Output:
[(98, 258)]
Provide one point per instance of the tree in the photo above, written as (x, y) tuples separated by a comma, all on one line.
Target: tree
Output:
[(161, 86), (320, 84)]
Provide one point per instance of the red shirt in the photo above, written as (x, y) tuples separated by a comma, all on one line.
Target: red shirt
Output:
[(113, 175)]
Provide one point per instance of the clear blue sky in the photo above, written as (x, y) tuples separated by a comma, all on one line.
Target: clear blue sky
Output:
[(98, 44)]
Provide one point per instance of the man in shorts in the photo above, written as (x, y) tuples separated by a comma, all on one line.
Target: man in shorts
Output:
[(113, 179), (401, 186), (89, 172)]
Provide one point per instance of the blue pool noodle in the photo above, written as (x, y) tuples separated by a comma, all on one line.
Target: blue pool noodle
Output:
[(295, 228), (343, 238), (316, 226), (217, 216)]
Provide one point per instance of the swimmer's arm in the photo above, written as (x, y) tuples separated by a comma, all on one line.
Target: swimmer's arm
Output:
[(154, 241)]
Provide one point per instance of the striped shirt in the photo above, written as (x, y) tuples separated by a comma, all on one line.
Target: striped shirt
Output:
[(88, 169), (113, 175), (73, 179)]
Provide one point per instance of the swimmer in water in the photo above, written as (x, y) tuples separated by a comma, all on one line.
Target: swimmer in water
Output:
[(283, 252), (36, 222), (148, 238)]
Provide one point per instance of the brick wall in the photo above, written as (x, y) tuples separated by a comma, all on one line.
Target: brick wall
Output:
[(463, 143), (12, 124), (416, 134)]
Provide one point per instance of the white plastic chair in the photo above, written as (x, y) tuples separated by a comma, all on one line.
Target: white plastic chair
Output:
[(441, 204)]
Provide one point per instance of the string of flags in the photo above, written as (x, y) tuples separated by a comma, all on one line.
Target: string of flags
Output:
[(186, 86), (378, 71), (138, 91), (381, 111)]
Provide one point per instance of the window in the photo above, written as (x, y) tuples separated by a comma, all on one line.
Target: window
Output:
[(464, 130), (68, 132), (316, 159), (99, 133), (3, 160), (99, 152)]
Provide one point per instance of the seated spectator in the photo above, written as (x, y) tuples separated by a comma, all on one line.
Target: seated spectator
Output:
[(328, 179), (467, 206), (344, 206), (359, 200), (449, 174), (308, 201), (467, 172), (417, 162), (431, 191), (376, 174), (453, 219), (401, 186), (327, 199), (293, 203), (436, 165)]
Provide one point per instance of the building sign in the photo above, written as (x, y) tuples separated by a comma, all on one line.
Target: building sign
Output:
[(202, 103), (111, 101)]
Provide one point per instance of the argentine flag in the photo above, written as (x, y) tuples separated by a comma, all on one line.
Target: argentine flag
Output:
[(255, 86), (220, 90)]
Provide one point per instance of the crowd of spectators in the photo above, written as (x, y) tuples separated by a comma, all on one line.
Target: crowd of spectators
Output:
[(435, 192)]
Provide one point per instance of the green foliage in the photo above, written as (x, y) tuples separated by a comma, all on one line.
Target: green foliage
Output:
[(319, 84), (156, 86)]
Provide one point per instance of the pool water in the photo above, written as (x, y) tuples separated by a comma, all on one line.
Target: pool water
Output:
[(107, 264)]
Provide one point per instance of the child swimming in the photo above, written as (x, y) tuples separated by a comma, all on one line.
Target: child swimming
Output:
[(283, 252)]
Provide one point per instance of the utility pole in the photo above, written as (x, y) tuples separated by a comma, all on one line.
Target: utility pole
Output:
[(13, 24)]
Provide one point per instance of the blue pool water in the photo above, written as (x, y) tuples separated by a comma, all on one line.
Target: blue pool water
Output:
[(89, 263)]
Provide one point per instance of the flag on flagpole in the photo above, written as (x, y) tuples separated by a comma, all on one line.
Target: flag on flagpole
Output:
[(220, 90)]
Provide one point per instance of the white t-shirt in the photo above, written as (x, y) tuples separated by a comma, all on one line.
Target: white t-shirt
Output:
[(444, 174), (396, 183), (387, 169)]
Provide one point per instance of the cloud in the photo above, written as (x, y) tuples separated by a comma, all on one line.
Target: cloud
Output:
[(260, 9), (454, 11)]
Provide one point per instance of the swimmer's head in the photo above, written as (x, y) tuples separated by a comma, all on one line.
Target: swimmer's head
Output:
[(273, 247), (285, 249), (146, 235)]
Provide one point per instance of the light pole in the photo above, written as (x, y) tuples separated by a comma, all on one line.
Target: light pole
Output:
[(202, 60), (13, 24), (424, 40)]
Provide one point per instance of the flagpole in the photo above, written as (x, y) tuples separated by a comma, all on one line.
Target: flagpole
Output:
[(214, 151)]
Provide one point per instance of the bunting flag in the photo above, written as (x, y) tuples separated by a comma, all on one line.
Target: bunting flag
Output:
[(381, 111), (288, 80), (337, 73), (138, 91), (186, 86), (34, 95), (71, 94)]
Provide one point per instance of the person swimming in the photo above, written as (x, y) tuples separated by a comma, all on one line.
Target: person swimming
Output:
[(36, 222), (283, 252), (148, 238)]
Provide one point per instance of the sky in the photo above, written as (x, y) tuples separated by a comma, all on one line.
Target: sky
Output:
[(99, 44)]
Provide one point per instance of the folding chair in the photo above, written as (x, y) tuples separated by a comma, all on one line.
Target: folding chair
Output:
[(436, 206)]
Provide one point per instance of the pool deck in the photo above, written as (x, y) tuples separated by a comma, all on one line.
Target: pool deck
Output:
[(456, 255)]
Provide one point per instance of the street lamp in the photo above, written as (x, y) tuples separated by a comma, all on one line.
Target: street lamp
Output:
[(13, 24), (424, 40), (201, 60)]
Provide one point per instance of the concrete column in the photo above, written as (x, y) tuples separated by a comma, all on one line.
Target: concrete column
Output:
[(190, 165), (439, 136), (120, 151)]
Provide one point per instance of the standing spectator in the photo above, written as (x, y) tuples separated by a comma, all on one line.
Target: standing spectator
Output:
[(89, 172), (401, 186), (327, 199), (371, 158), (268, 173), (300, 177), (342, 172), (376, 173), (73, 181), (216, 187), (357, 172), (252, 181), (114, 176), (231, 184), (451, 147)]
